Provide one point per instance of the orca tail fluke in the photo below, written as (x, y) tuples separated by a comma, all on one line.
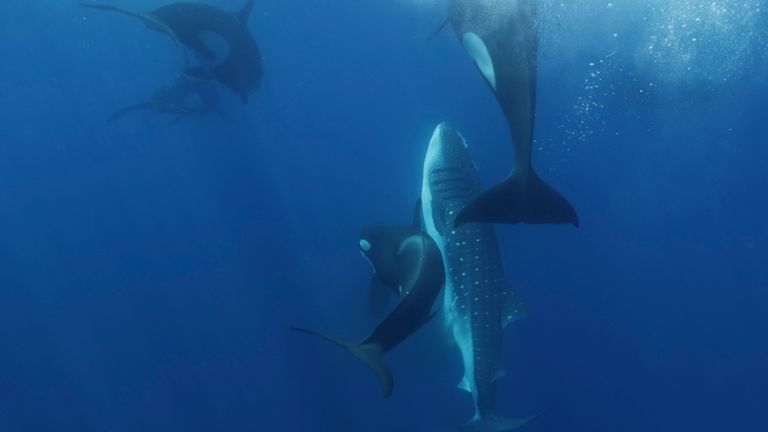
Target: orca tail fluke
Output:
[(495, 424), (370, 354), (127, 110), (521, 198)]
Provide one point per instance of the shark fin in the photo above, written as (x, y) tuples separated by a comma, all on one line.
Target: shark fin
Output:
[(520, 198), (513, 308), (149, 20), (370, 354), (438, 29), (245, 12), (464, 385)]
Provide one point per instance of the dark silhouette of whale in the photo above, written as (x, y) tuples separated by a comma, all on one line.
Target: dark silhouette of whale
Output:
[(185, 96), (409, 258), (502, 40), (219, 39)]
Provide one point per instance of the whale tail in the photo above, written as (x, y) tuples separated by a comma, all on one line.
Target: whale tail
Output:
[(494, 424), (370, 354), (521, 198)]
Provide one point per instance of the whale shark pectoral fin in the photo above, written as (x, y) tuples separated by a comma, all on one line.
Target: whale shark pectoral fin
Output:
[(245, 12), (149, 20), (464, 385), (519, 199), (369, 353), (513, 308), (479, 52)]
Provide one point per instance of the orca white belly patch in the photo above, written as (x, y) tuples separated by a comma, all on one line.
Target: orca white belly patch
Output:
[(479, 53)]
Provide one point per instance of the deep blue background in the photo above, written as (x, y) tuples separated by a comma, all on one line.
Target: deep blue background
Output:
[(149, 272)]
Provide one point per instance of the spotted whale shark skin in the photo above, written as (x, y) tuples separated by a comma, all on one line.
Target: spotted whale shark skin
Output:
[(478, 301)]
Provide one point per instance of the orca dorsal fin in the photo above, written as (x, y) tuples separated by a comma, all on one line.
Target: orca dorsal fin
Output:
[(245, 12), (416, 221)]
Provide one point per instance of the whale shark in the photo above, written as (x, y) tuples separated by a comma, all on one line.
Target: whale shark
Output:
[(478, 302), (408, 258), (220, 40), (184, 96), (501, 38)]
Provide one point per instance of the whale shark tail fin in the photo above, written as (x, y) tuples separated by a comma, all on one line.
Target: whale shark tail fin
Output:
[(521, 198), (370, 354), (495, 424)]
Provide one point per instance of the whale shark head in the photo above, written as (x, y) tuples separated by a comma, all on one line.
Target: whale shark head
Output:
[(449, 179)]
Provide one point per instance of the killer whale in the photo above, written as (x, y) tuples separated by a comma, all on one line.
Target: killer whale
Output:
[(220, 40), (184, 96), (409, 258), (501, 38), (478, 302)]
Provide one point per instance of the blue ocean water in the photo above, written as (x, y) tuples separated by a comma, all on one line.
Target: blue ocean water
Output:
[(150, 269)]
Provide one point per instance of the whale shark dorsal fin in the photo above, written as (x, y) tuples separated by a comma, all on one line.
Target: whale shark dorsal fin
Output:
[(479, 52), (464, 385), (245, 12)]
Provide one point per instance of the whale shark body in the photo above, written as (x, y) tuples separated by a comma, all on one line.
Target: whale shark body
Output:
[(477, 301)]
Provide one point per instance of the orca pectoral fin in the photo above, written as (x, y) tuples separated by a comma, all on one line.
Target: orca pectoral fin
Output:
[(369, 353), (129, 109), (199, 72), (519, 199)]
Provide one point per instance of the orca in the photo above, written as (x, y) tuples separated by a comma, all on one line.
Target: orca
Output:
[(185, 96), (478, 302), (220, 40), (409, 259), (501, 38)]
